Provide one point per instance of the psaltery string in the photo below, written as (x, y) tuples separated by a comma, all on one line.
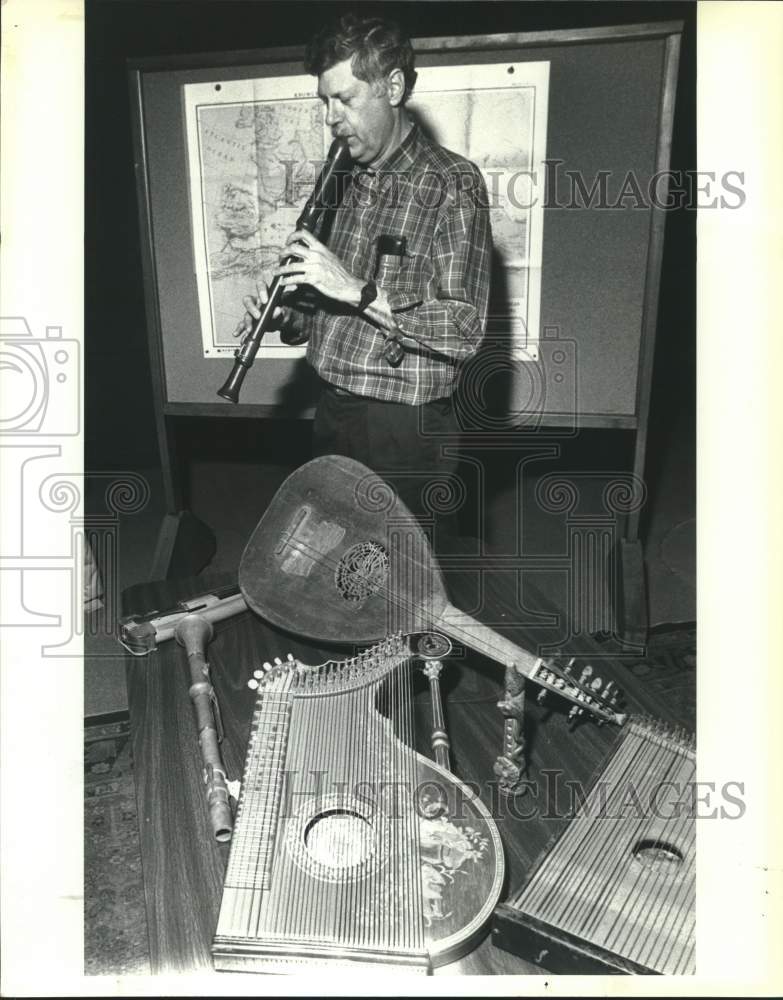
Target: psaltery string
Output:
[(609, 872), (397, 822), (561, 896), (672, 899), (678, 888), (314, 742), (551, 885), (686, 915), (651, 900), (686, 920), (409, 803), (649, 748), (406, 793), (382, 936), (381, 915), (286, 901), (365, 703), (625, 932), (626, 836), (627, 759), (337, 709), (272, 713), (394, 867)]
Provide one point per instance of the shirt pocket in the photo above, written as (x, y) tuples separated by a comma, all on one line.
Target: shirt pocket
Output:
[(406, 280)]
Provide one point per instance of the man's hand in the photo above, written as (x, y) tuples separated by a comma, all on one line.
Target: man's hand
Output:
[(319, 268), (254, 305)]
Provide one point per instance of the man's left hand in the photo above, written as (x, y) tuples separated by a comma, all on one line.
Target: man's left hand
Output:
[(319, 268)]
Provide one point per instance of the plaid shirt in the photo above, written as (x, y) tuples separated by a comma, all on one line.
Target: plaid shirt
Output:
[(438, 293)]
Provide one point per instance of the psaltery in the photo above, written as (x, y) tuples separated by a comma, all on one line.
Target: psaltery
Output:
[(351, 850), (616, 893)]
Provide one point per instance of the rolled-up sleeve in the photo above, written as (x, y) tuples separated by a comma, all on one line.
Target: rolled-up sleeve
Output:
[(440, 300)]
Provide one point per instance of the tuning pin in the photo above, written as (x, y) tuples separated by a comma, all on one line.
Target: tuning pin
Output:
[(541, 696), (586, 674), (569, 666), (252, 684), (278, 662), (258, 674), (610, 691), (267, 666), (574, 717), (596, 684)]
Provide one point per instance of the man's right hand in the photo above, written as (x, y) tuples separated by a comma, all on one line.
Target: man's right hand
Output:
[(254, 304)]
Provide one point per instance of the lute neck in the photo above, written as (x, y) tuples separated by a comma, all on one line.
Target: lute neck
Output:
[(463, 627), (483, 639)]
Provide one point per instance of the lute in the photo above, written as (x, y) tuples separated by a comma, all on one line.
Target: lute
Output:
[(337, 557)]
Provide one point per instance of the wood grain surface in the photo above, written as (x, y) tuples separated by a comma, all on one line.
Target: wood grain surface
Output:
[(183, 866)]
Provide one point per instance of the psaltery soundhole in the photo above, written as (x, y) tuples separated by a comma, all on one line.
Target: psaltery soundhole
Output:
[(337, 838), (340, 838), (658, 855)]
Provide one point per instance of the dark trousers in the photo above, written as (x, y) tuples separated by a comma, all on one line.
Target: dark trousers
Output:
[(412, 447)]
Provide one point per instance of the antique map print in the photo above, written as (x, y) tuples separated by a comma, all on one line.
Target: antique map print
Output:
[(255, 148), (496, 116)]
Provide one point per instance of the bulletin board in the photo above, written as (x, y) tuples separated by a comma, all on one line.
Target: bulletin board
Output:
[(608, 136)]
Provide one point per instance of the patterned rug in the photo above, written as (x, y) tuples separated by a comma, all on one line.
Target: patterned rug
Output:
[(115, 923), (668, 669)]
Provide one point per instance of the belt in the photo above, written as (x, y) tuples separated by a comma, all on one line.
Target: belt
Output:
[(336, 390), (347, 394)]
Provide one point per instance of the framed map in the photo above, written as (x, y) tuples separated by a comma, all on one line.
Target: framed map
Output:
[(254, 148)]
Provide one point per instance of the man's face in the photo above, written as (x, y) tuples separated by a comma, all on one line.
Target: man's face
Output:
[(358, 111)]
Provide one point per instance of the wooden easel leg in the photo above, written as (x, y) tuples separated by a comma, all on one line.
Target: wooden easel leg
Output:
[(185, 546), (632, 621)]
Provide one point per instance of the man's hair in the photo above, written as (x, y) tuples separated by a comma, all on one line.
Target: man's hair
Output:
[(375, 47)]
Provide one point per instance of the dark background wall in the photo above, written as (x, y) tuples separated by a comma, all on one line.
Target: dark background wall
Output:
[(119, 409)]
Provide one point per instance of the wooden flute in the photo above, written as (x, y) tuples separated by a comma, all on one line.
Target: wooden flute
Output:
[(194, 633), (323, 197)]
